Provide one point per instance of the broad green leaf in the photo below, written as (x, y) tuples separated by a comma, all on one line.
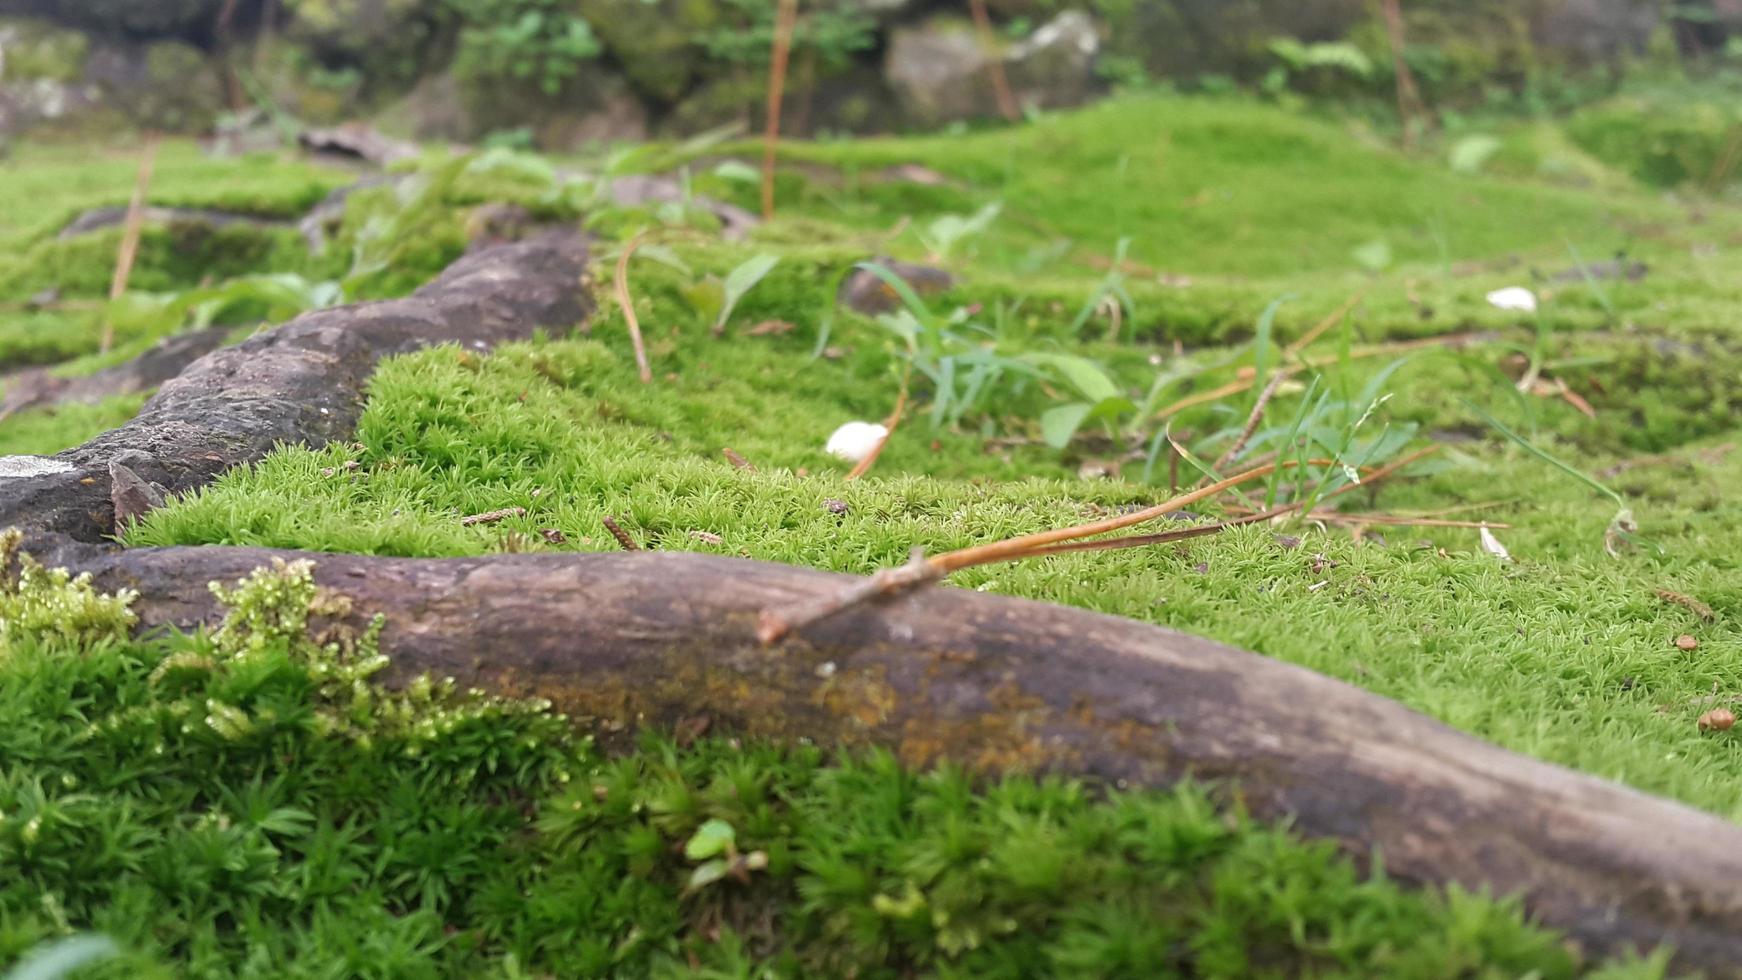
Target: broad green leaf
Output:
[(740, 281), (1471, 153), (710, 839), (707, 297), (1059, 424), (737, 170), (706, 874), (1090, 379)]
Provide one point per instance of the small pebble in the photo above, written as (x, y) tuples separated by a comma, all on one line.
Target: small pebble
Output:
[(1717, 720), (1686, 642)]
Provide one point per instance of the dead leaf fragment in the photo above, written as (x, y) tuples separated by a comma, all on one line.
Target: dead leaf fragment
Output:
[(491, 517), (768, 328), (1717, 720), (131, 494), (1690, 603), (552, 535), (1686, 642)]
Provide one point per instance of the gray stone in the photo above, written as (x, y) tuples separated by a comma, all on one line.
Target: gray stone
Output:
[(940, 72), (1598, 30)]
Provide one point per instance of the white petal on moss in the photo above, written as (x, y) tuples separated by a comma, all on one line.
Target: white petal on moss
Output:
[(1513, 298), (855, 440), (1492, 545)]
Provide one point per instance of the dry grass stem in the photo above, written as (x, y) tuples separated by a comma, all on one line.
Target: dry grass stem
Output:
[(994, 64), (784, 18), (627, 304), (1252, 420), (889, 425), (491, 517), (624, 541), (1689, 603), (130, 234), (1306, 340)]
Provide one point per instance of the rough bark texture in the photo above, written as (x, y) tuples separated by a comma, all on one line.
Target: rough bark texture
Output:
[(166, 359), (1001, 684), (299, 383)]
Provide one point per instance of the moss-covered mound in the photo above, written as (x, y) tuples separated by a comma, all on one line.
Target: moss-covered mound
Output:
[(247, 801)]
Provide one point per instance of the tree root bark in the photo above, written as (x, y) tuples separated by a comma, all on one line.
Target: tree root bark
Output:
[(1000, 684), (299, 383)]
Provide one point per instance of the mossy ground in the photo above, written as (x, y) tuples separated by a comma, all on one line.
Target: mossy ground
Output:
[(1565, 654)]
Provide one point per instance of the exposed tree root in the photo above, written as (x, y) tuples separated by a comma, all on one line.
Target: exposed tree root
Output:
[(299, 383), (998, 684)]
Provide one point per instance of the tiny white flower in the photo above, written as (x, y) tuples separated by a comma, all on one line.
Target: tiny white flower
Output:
[(855, 440), (1513, 298)]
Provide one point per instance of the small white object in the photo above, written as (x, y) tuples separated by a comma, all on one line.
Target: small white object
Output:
[(32, 466), (1492, 545), (855, 440), (1513, 298)]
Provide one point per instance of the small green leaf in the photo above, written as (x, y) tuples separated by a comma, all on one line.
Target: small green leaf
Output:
[(706, 874), (740, 281), (706, 296), (710, 839), (1059, 424), (1375, 256), (737, 170), (1471, 153), (1090, 379)]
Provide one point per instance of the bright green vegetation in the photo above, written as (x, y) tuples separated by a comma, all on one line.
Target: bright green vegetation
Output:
[(245, 803), (49, 430), (431, 854)]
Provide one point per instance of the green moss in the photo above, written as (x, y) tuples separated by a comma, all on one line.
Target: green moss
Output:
[(1664, 143), (489, 840), (656, 43), (190, 798), (44, 431), (39, 51)]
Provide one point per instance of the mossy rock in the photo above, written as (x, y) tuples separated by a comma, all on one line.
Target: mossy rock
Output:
[(655, 43), (165, 85), (1664, 143), (387, 42), (131, 18)]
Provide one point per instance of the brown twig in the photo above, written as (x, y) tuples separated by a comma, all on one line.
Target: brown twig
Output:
[(774, 624), (130, 235), (889, 426), (1409, 101), (1305, 340), (491, 517), (994, 63), (1244, 380), (1574, 399), (623, 539), (1256, 416), (785, 16), (1689, 603), (628, 306)]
